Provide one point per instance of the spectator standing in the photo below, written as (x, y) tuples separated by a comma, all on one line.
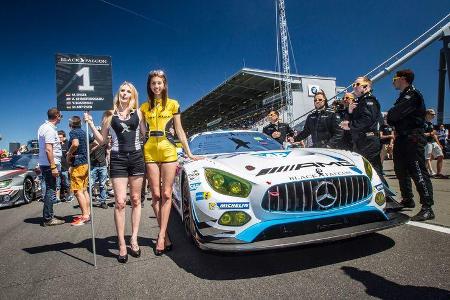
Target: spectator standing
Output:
[(387, 140), (99, 170), (443, 137), (281, 132), (77, 158), (50, 163), (408, 117), (64, 193), (434, 147)]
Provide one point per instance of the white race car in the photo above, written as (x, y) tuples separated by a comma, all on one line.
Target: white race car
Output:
[(251, 194)]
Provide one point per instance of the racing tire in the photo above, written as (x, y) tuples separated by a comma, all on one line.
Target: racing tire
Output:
[(188, 220), (28, 193)]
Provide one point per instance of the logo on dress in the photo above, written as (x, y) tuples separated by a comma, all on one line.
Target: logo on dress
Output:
[(125, 127)]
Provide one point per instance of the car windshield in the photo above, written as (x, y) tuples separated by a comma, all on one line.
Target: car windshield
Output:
[(232, 142), (16, 162)]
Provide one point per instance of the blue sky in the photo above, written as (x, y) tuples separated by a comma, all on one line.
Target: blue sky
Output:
[(201, 43)]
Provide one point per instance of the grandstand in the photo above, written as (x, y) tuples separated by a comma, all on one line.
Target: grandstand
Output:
[(244, 99)]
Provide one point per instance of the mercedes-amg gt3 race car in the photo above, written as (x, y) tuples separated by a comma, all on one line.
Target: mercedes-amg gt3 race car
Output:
[(19, 181), (251, 194)]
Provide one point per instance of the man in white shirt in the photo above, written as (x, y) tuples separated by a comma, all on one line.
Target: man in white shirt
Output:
[(50, 153)]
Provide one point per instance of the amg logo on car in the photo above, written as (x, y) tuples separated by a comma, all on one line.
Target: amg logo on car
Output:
[(230, 205), (304, 165)]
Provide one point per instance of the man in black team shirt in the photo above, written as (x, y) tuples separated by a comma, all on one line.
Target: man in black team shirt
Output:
[(322, 125), (64, 193), (408, 118), (281, 132), (99, 170)]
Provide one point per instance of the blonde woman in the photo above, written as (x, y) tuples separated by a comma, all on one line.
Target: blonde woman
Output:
[(123, 123), (162, 115)]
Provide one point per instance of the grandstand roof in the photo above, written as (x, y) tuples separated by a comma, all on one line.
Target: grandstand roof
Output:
[(239, 95)]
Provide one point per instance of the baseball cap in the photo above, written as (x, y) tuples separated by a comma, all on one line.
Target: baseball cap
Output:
[(430, 111)]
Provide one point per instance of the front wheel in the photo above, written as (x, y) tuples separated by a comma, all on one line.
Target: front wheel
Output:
[(188, 220), (28, 190)]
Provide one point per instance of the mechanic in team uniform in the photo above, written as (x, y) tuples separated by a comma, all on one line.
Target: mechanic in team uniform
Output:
[(163, 118), (364, 123), (408, 118), (281, 132), (322, 125), (124, 123), (342, 110)]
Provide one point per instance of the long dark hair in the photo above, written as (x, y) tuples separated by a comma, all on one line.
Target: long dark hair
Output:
[(151, 95)]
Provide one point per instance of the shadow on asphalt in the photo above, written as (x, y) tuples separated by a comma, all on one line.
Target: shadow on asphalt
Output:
[(379, 287), (106, 247), (219, 266)]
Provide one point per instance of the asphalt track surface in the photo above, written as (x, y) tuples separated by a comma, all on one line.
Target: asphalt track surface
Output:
[(405, 262)]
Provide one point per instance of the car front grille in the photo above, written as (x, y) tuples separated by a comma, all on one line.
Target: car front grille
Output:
[(317, 195)]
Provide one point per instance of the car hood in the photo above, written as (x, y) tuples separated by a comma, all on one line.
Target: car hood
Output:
[(296, 164), (5, 174)]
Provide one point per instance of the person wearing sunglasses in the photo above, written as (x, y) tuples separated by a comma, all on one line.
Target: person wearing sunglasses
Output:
[(408, 117), (364, 123), (281, 132), (322, 125)]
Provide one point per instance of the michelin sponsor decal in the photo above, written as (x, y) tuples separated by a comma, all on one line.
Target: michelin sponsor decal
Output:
[(273, 154), (194, 186), (202, 196), (230, 205)]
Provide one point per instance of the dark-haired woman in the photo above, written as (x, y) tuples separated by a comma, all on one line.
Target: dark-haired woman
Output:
[(162, 115)]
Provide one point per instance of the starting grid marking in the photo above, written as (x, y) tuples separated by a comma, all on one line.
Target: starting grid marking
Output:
[(430, 226)]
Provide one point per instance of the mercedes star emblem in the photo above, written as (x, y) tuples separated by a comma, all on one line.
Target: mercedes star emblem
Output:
[(326, 194)]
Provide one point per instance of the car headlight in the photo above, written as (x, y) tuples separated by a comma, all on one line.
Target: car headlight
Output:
[(5, 183), (380, 199), (234, 218), (227, 184), (368, 168)]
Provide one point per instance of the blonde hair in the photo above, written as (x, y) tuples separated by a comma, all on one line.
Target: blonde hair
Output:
[(134, 96), (364, 79)]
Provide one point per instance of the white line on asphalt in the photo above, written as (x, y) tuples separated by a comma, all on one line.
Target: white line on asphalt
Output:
[(430, 226)]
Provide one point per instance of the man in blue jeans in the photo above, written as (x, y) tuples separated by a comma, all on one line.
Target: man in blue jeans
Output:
[(99, 171), (65, 194), (50, 163)]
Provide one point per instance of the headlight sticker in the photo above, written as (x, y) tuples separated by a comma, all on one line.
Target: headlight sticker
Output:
[(194, 174), (194, 186), (202, 196)]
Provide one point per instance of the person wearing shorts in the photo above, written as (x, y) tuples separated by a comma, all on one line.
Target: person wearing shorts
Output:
[(163, 118), (124, 124), (433, 148), (77, 158)]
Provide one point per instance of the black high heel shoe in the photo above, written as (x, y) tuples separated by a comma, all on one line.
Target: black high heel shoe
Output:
[(156, 251), (135, 253), (170, 246), (122, 258)]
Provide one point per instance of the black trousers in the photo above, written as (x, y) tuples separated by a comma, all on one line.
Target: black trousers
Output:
[(409, 163), (370, 148)]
